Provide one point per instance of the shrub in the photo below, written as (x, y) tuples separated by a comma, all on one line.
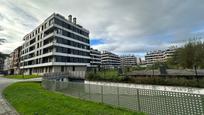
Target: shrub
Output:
[(112, 76)]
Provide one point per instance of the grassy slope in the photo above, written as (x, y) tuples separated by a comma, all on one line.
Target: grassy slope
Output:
[(30, 98), (21, 76)]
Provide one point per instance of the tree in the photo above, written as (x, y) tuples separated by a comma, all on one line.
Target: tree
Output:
[(2, 40), (190, 55)]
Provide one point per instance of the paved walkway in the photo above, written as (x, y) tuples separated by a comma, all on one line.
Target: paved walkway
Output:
[(5, 107)]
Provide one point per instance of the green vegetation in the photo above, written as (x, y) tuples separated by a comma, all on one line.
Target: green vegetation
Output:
[(171, 81), (22, 76), (132, 68), (188, 56), (156, 80), (106, 75), (29, 98), (113, 76)]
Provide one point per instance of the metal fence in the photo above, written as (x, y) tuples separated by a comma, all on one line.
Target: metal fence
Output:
[(153, 102)]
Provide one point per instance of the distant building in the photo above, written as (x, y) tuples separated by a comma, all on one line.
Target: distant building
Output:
[(2, 58), (11, 63), (57, 45), (159, 56), (1, 64), (128, 60), (139, 61), (16, 60), (7, 63), (95, 58), (110, 60)]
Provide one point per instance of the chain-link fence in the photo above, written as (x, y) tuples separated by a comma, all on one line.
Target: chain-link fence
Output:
[(153, 102)]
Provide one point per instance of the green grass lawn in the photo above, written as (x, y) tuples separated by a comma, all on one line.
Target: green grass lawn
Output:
[(21, 76), (29, 98)]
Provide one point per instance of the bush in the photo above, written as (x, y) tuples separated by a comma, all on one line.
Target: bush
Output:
[(106, 75), (22, 76), (112, 76)]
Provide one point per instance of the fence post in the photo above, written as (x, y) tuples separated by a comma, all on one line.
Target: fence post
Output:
[(78, 89), (102, 93), (118, 96), (89, 92), (138, 100)]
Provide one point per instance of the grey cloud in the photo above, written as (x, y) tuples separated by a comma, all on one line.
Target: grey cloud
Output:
[(124, 25), (23, 16), (152, 18), (1, 16), (1, 28)]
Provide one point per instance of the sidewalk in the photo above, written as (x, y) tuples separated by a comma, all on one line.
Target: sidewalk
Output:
[(5, 108)]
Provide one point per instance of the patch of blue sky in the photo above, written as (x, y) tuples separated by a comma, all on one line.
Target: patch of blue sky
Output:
[(96, 41)]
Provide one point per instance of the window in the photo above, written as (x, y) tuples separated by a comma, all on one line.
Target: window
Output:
[(38, 30), (62, 68), (73, 68), (59, 31), (42, 28), (51, 22)]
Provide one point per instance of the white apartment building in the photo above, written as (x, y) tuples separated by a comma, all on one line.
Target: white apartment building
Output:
[(7, 64), (57, 45), (159, 56), (110, 60), (95, 58), (128, 60)]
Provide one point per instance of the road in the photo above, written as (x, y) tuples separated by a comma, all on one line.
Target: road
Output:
[(5, 107)]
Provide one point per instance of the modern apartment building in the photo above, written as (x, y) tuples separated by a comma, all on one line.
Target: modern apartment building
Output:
[(7, 64), (11, 64), (159, 56), (57, 45), (95, 58), (139, 61), (16, 60), (110, 60), (128, 60)]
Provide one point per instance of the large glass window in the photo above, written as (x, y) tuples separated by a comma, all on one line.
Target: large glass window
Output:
[(71, 51), (70, 27), (71, 59), (72, 43)]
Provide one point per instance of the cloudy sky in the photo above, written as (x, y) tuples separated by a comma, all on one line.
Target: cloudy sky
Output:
[(120, 26)]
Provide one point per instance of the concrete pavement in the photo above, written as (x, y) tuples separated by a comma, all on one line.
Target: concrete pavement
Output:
[(5, 107)]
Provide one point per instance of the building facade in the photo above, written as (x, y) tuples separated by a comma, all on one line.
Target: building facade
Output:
[(95, 58), (1, 64), (128, 60), (16, 60), (57, 45), (159, 56), (7, 64), (11, 63), (110, 60)]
